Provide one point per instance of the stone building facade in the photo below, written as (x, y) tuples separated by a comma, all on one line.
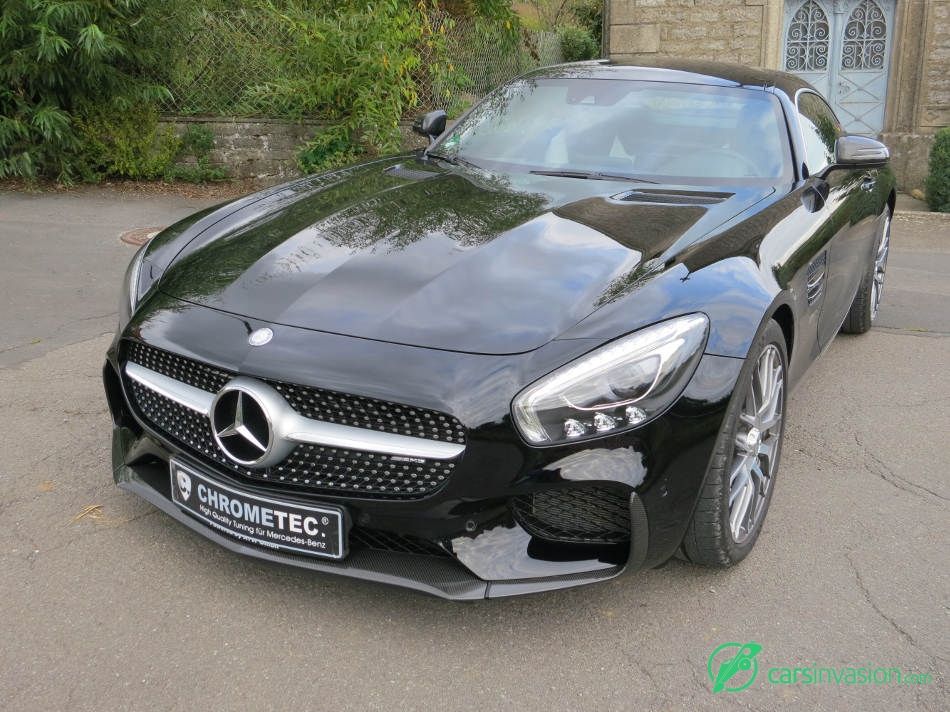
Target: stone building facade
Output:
[(884, 64)]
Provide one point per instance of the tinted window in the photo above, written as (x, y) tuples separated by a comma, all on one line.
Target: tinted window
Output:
[(653, 129), (820, 129)]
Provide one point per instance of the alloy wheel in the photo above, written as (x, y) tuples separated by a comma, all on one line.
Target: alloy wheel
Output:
[(880, 267), (756, 451)]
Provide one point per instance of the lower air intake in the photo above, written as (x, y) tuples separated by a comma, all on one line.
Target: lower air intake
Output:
[(576, 515)]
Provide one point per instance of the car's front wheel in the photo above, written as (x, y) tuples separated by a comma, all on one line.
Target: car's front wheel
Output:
[(741, 476)]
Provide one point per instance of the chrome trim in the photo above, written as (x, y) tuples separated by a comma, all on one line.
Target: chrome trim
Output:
[(316, 432), (289, 425), (183, 394)]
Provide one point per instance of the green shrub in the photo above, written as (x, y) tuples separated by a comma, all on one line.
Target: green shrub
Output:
[(124, 143), (577, 44), (332, 147), (196, 144), (56, 56), (938, 182)]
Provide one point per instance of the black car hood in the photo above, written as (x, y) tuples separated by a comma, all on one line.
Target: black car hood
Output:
[(410, 253)]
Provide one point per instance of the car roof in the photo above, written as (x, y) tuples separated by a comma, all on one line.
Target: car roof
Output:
[(680, 71)]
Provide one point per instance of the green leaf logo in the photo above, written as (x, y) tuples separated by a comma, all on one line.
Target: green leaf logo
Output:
[(733, 660)]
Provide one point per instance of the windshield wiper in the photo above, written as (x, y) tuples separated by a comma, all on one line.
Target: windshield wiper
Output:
[(454, 160), (591, 175)]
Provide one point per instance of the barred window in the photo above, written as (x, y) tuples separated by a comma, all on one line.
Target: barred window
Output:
[(865, 37), (807, 41)]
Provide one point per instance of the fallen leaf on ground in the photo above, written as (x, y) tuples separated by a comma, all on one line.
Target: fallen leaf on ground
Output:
[(93, 511)]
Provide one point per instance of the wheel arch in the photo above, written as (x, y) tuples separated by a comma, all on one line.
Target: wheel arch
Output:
[(786, 320)]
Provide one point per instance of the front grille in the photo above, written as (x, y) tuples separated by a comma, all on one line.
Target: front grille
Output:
[(576, 515), (310, 402), (371, 414), (194, 373), (311, 468)]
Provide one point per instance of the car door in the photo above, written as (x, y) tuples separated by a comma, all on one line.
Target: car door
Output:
[(845, 210)]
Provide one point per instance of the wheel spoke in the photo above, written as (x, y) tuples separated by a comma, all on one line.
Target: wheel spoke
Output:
[(737, 517), (773, 396), (774, 418), (759, 480), (754, 399), (769, 377), (740, 478), (767, 452)]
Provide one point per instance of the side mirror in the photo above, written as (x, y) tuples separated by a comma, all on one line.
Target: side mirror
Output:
[(860, 152), (431, 125)]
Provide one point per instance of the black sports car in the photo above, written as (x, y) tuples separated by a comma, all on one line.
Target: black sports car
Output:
[(552, 347)]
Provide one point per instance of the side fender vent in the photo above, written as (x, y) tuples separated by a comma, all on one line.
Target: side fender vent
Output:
[(817, 271)]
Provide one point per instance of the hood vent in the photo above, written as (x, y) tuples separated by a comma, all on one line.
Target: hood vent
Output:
[(400, 171), (665, 197)]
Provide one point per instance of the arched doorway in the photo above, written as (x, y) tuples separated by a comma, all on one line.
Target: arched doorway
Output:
[(843, 48)]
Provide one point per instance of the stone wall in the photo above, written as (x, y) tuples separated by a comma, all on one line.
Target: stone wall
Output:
[(935, 87), (910, 158), (740, 31), (264, 150)]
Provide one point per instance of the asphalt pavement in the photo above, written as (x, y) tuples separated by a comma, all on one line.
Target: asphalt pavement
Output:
[(106, 604)]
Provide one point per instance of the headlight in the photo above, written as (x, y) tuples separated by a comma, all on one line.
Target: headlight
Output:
[(137, 283), (135, 275), (617, 387)]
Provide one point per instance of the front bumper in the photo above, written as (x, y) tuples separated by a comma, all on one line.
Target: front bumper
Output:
[(468, 540), (441, 576)]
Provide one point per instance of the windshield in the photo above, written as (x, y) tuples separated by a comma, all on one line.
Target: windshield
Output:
[(609, 127)]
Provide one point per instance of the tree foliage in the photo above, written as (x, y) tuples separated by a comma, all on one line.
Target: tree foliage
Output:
[(590, 15), (577, 44), (362, 65), (74, 103), (55, 56)]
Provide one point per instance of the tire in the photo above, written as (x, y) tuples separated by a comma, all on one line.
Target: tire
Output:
[(867, 301), (741, 476)]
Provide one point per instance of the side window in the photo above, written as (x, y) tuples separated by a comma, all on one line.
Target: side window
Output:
[(820, 129)]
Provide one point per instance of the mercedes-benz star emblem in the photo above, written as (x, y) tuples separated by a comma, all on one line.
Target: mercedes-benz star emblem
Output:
[(241, 426), (250, 420), (260, 337)]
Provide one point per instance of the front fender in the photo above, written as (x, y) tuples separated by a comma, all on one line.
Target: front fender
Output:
[(733, 293)]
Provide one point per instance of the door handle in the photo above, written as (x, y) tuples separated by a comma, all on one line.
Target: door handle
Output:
[(867, 183)]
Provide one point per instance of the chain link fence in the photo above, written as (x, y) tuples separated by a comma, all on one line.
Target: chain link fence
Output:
[(487, 55), (217, 61)]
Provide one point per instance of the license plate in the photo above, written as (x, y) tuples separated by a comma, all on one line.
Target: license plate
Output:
[(272, 523)]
